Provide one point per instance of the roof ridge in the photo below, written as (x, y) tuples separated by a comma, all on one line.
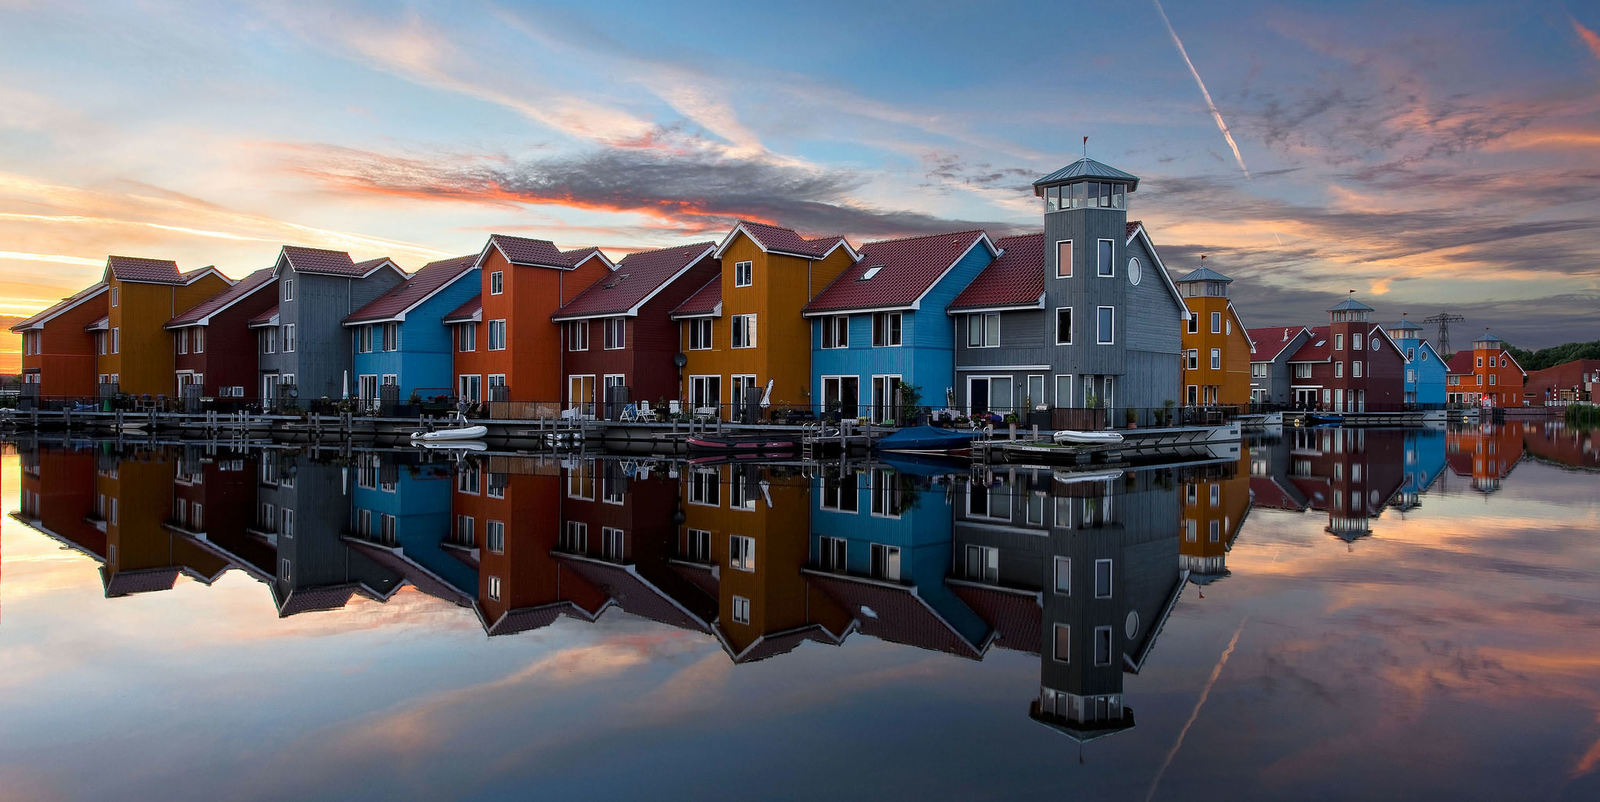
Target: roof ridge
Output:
[(864, 245), (667, 248)]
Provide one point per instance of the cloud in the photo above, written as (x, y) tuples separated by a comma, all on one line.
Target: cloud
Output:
[(1590, 39)]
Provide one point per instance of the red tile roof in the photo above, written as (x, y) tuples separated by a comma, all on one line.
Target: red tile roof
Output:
[(154, 271), (784, 240), (535, 252), (1271, 340), (373, 264), (902, 271), (414, 290), (69, 302), (1132, 226), (633, 592), (1460, 363), (1016, 278), (466, 312), (123, 583), (1015, 617), (318, 261), (638, 277), (247, 285), (265, 318), (1317, 348), (894, 614), (578, 256), (706, 301)]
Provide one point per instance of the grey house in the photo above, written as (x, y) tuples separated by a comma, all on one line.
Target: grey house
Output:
[(1270, 350), (305, 350), (1080, 316)]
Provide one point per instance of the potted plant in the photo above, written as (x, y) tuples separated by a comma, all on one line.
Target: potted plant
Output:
[(1132, 418)]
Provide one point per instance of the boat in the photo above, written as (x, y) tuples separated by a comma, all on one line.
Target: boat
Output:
[(1074, 477), (742, 444), (1076, 437), (454, 445), (927, 440), (461, 431)]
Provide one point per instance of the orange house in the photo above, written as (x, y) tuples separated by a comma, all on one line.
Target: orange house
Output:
[(143, 294), (745, 330), (524, 282), (1488, 374), (58, 350), (1214, 508), (133, 502), (1216, 345)]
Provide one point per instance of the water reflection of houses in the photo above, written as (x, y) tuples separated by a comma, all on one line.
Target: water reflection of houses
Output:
[(1216, 501), (1350, 474), (135, 496), (1485, 454), (1424, 462)]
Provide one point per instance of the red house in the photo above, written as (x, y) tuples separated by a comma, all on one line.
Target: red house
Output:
[(1349, 365), (59, 350), (215, 350), (1578, 380), (1487, 375), (620, 333)]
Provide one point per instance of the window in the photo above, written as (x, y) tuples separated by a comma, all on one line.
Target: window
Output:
[(1492, 378), (1194, 324), (1102, 646), (287, 528), (467, 338), (578, 335), (836, 331), (741, 552), (1064, 259), (1355, 341), (1215, 534), (886, 562), (288, 289), (576, 538), (1356, 368), (886, 501), (391, 336), (983, 563), (1104, 267), (983, 330), (497, 282), (494, 588), (741, 605), (1480, 361), (1105, 325), (199, 340), (1302, 370), (1063, 389), (283, 569), (1061, 649), (1216, 359), (1102, 579), (183, 341), (833, 554), (885, 329), (114, 295), (1036, 391), (497, 335), (364, 339), (743, 274), (1216, 322), (1338, 370), (1134, 271), (616, 333), (705, 488), (288, 338), (1064, 325), (1064, 576), (1192, 359), (611, 543), (1338, 342), (742, 332), (840, 491), (699, 546), (468, 480), (465, 534), (116, 343), (700, 334)]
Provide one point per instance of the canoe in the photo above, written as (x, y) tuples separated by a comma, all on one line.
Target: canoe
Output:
[(742, 444), (458, 433), (926, 439), (1075, 437)]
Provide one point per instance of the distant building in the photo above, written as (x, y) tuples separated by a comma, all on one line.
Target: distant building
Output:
[(59, 351), (1350, 365), (1488, 374), (1216, 345), (1563, 384), (1425, 368), (1271, 350)]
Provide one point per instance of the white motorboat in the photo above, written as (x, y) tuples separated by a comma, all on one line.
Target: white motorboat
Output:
[(1075, 437), (461, 431), (454, 445), (1075, 477)]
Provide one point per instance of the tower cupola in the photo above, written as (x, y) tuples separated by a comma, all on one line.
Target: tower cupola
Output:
[(1086, 184), (1203, 282), (1349, 311)]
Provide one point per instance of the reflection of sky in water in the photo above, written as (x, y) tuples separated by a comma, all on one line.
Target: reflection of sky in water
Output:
[(1453, 653)]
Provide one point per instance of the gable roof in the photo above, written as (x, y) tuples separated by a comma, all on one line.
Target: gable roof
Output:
[(103, 323), (62, 306), (705, 302), (527, 252), (318, 261), (1085, 168), (150, 271), (265, 319), (1276, 338), (1136, 229), (580, 255), (897, 273), (1316, 348), (776, 239), (1015, 279), (636, 279), (411, 293), (469, 312), (200, 314)]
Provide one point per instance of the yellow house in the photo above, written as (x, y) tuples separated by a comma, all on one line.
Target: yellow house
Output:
[(744, 330), (142, 295), (1216, 346)]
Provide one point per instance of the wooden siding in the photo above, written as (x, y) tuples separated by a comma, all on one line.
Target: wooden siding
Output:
[(141, 314), (1232, 380), (67, 359)]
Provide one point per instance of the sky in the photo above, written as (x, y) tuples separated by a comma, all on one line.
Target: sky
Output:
[(1429, 156)]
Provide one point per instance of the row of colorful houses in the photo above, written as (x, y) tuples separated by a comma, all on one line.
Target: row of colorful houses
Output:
[(1081, 316)]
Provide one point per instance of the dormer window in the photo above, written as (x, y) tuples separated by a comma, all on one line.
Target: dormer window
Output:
[(871, 271)]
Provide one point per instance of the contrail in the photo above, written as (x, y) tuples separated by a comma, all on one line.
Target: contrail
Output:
[(1215, 115), (1199, 703)]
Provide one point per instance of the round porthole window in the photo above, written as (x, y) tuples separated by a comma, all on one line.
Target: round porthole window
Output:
[(1132, 626), (1133, 270)]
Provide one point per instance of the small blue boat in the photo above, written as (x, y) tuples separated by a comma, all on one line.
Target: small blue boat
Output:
[(927, 440)]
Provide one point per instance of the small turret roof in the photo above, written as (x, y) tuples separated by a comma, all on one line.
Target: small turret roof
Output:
[(1487, 337), (1086, 168), (1405, 325), (1204, 274), (1350, 305)]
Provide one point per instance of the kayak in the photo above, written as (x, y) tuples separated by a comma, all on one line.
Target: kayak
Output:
[(1072, 436), (458, 433)]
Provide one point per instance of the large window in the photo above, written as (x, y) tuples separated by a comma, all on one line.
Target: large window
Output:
[(840, 395), (616, 333), (1104, 266), (742, 332), (885, 329), (467, 337), (833, 554), (497, 335), (288, 290), (1064, 259), (743, 274), (578, 335), (1063, 389), (836, 331), (741, 553), (983, 330), (1105, 325), (289, 338), (983, 564), (495, 537), (391, 336), (885, 562), (1064, 325), (700, 334)]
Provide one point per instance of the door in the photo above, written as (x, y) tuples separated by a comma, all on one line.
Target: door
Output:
[(977, 395), (744, 392), (580, 394), (841, 395), (367, 389), (885, 398), (269, 390), (705, 392), (470, 388)]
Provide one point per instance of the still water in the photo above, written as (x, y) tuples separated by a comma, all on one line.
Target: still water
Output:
[(1330, 614)]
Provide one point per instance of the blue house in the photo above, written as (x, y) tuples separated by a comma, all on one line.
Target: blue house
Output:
[(1425, 369), (400, 516), (881, 542), (401, 344), (882, 322), (1424, 462)]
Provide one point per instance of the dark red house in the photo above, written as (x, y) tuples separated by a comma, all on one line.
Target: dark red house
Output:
[(215, 350), (619, 332), (1349, 365)]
